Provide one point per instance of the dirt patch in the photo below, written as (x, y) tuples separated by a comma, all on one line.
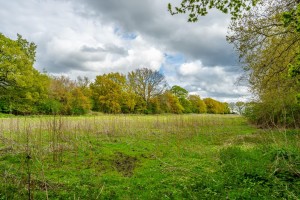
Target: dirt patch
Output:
[(124, 164)]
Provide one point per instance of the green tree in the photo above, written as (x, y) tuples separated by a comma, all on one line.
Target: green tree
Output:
[(216, 107), (108, 92), (21, 86), (197, 104), (226, 108), (83, 83), (291, 20), (268, 46), (147, 83), (170, 103), (179, 91), (211, 105), (81, 96), (196, 8), (50, 106), (182, 95), (61, 91), (80, 103), (154, 106), (186, 104), (15, 63)]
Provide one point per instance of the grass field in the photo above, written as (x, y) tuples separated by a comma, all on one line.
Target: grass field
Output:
[(146, 157)]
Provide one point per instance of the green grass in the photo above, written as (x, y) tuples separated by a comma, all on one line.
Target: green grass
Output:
[(146, 157)]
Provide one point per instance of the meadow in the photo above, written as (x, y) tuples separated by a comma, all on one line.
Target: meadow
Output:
[(146, 157)]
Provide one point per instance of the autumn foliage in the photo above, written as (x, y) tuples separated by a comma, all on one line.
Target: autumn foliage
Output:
[(24, 90)]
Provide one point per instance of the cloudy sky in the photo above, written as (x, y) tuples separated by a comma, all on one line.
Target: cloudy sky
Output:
[(92, 37)]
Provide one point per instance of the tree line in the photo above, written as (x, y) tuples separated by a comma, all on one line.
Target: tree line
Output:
[(267, 39), (24, 90)]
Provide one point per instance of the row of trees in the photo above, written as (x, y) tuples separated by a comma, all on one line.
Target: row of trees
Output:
[(267, 39), (24, 90), (146, 91)]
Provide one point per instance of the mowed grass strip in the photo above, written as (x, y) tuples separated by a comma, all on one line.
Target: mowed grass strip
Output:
[(146, 157)]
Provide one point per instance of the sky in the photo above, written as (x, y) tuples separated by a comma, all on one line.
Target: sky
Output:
[(93, 37)]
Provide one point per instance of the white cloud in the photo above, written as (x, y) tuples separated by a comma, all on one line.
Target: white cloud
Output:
[(213, 81), (190, 68), (90, 37), (62, 33)]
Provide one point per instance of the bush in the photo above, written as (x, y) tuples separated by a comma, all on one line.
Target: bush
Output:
[(271, 115), (50, 106)]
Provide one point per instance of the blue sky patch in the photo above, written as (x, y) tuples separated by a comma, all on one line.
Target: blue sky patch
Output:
[(174, 59), (125, 35)]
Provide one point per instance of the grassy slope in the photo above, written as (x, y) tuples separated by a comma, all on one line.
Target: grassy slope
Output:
[(146, 157)]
